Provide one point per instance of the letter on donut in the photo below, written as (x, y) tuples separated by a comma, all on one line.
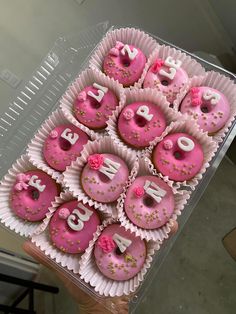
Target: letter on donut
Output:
[(154, 191), (143, 111), (101, 92), (121, 242), (110, 169), (36, 183), (81, 217), (212, 96), (69, 136)]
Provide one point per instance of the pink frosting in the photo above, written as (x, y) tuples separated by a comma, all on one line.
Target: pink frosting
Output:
[(99, 187), (210, 118), (144, 211), (121, 68), (138, 131), (92, 113), (58, 152), (175, 163), (106, 243), (67, 239), (95, 161), (121, 266), (23, 202), (155, 80)]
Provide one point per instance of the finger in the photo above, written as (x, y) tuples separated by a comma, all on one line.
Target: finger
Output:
[(174, 227)]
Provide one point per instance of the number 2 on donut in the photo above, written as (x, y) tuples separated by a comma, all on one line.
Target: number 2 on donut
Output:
[(69, 136), (80, 217)]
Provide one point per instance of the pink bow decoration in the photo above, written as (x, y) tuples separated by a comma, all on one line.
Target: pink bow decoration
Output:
[(139, 191), (95, 161), (22, 180), (114, 52), (157, 65), (106, 243), (196, 99), (119, 45)]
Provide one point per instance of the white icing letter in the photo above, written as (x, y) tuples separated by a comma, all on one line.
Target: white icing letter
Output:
[(154, 191), (36, 183), (172, 63), (170, 74), (143, 111), (131, 54), (81, 217), (110, 169), (101, 92), (69, 136), (185, 143), (210, 95), (121, 242)]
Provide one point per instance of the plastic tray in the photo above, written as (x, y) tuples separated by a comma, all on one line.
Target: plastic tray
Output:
[(40, 96)]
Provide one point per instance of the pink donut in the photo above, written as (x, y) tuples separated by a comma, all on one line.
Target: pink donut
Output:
[(104, 177), (141, 122), (167, 77), (94, 105), (178, 156), (149, 202), (63, 145), (72, 226), (32, 194), (124, 63), (119, 254), (208, 106)]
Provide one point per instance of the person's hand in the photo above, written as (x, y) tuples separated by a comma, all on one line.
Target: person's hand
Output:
[(87, 304)]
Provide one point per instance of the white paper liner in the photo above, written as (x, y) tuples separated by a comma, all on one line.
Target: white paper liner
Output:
[(127, 35), (208, 145), (41, 237), (104, 286), (158, 234), (227, 87), (190, 65), (72, 175), (7, 216), (134, 95), (86, 78), (35, 147)]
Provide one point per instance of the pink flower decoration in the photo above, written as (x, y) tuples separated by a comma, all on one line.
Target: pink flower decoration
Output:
[(157, 65), (195, 90), (168, 144), (53, 134), (196, 101), (139, 191), (95, 161), (114, 51), (22, 177), (21, 186), (64, 213), (119, 45), (82, 96), (106, 244), (128, 114)]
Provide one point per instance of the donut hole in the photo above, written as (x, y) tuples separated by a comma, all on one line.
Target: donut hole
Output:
[(164, 82), (140, 121), (33, 193), (125, 61), (64, 144), (148, 201), (118, 251), (95, 104), (103, 177), (205, 108), (178, 155)]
